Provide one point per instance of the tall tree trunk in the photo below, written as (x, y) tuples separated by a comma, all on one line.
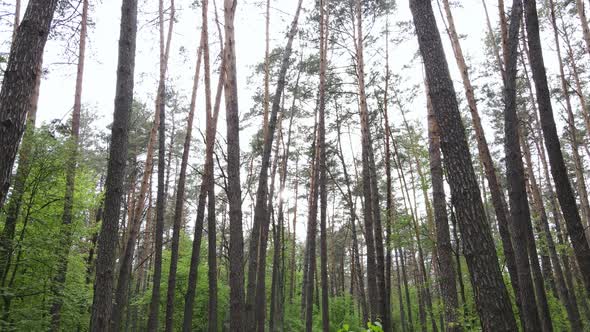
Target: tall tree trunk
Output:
[(13, 207), (497, 193), (154, 308), (107, 241), (207, 179), (59, 279), (491, 296), (19, 83), (372, 212), (558, 169), (390, 209), (180, 196), (212, 259), (233, 172), (294, 244), (443, 236), (357, 274), (16, 21), (576, 74), (519, 207), (310, 247), (562, 291), (256, 247), (322, 164), (573, 131), (583, 23)]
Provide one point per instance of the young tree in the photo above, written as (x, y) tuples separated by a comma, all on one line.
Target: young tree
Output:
[(19, 82), (107, 241), (491, 296)]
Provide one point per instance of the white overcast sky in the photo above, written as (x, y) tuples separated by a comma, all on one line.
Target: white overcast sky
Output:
[(57, 90)]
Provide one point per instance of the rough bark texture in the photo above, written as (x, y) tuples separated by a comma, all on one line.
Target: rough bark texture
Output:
[(19, 83), (563, 187), (236, 246), (519, 207), (13, 206), (491, 296), (322, 165), (444, 249), (107, 241), (496, 191), (562, 291)]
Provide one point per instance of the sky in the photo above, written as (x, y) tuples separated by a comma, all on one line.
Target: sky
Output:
[(57, 89)]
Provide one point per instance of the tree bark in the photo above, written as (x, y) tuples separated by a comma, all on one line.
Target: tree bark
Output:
[(58, 280), (498, 198), (180, 196), (261, 209), (372, 212), (233, 173), (107, 241), (154, 308), (322, 164), (562, 291), (19, 83), (572, 130), (443, 237), (491, 296), (519, 206), (558, 169), (583, 23), (207, 179)]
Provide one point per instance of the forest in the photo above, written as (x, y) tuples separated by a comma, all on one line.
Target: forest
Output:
[(274, 165)]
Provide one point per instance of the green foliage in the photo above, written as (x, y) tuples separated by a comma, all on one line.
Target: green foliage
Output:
[(26, 287)]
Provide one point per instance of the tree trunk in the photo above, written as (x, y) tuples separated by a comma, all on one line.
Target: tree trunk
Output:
[(497, 193), (443, 236), (322, 164), (107, 241), (491, 296), (573, 131), (13, 207), (207, 179), (233, 172), (58, 280), (154, 308), (19, 83), (558, 169), (562, 291), (372, 213), (261, 210), (519, 207), (180, 196), (583, 23)]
